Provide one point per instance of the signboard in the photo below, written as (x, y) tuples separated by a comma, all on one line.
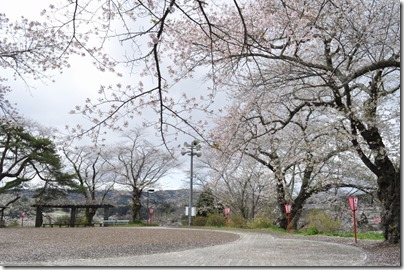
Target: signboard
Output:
[(288, 208), (150, 215), (227, 213), (353, 203), (22, 215), (193, 211)]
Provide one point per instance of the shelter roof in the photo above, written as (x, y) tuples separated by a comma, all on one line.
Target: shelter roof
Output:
[(73, 205)]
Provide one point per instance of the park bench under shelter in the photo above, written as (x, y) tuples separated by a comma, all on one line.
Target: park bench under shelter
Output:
[(73, 210)]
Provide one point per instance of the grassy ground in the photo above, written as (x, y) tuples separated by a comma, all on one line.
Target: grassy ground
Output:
[(362, 236), (366, 235)]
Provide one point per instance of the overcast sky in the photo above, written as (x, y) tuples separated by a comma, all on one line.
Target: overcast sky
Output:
[(49, 103)]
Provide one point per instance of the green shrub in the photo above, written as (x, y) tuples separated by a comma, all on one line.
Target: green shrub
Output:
[(63, 219), (259, 223), (14, 223), (185, 220), (199, 221), (66, 220), (312, 231), (237, 222), (322, 221), (81, 220), (367, 235), (216, 220)]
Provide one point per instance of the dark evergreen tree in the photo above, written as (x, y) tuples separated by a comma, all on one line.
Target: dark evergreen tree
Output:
[(206, 204), (24, 157)]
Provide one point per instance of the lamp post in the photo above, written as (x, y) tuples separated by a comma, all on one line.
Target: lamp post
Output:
[(148, 209), (191, 149)]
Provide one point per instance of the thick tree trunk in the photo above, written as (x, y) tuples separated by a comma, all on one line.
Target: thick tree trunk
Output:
[(389, 194), (388, 182), (136, 206), (299, 201), (90, 213), (280, 190), (296, 212), (295, 217)]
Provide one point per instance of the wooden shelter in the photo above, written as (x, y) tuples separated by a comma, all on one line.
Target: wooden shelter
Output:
[(73, 210)]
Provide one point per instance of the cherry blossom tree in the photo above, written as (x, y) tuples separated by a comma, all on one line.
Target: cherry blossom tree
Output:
[(94, 174), (138, 28), (301, 158), (140, 165), (241, 184), (29, 50), (338, 57)]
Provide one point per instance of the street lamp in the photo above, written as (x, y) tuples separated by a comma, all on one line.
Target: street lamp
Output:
[(191, 149), (148, 209)]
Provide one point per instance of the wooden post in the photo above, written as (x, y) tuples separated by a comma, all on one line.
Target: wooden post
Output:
[(38, 217), (2, 223), (106, 213), (354, 218), (73, 212), (2, 213)]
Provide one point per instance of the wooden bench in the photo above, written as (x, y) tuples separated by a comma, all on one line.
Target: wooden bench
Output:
[(114, 222), (55, 224), (67, 224)]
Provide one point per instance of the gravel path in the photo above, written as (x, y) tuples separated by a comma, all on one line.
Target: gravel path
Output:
[(20, 246), (378, 252), (126, 246)]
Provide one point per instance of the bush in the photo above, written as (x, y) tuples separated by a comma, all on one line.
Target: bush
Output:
[(63, 219), (184, 220), (66, 220), (323, 222), (14, 223), (312, 231), (259, 223), (237, 222), (216, 220), (199, 221), (81, 220)]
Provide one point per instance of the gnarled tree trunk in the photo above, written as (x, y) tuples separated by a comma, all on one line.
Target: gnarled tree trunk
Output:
[(389, 194), (136, 205), (388, 179)]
